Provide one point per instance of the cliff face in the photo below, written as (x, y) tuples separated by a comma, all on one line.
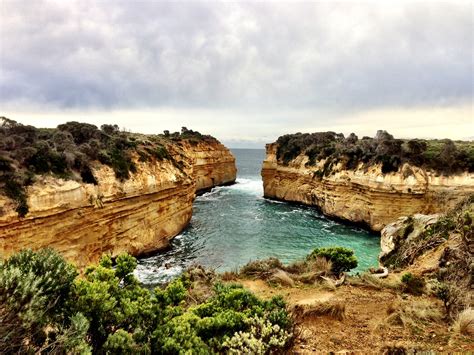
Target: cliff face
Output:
[(139, 215), (363, 195), (213, 165)]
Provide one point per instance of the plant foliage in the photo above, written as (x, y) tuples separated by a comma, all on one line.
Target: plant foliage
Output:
[(442, 156), (342, 259), (71, 151), (46, 307)]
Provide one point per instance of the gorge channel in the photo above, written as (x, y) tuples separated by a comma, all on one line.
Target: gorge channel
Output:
[(232, 225)]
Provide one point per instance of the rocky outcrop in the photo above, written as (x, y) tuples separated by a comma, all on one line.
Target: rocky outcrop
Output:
[(139, 215), (363, 195), (402, 232)]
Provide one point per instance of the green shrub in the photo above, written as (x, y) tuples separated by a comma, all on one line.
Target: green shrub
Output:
[(16, 191), (342, 259), (34, 297), (413, 284), (160, 153), (108, 311), (443, 156)]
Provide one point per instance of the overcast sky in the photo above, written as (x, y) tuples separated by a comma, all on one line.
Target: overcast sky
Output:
[(243, 72)]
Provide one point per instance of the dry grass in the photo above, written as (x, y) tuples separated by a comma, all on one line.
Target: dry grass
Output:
[(326, 284), (273, 271), (333, 309), (281, 277), (228, 276), (464, 324), (369, 280), (411, 314), (261, 269), (322, 265)]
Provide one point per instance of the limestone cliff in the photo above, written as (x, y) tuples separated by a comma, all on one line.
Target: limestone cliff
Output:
[(138, 215), (363, 194), (213, 165)]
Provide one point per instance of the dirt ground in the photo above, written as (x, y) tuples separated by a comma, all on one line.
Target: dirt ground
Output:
[(364, 328)]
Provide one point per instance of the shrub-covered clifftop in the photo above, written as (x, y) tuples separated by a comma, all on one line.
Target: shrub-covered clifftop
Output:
[(71, 150), (442, 156), (372, 181), (84, 191), (438, 246)]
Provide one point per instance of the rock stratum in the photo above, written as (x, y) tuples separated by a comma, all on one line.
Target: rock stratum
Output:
[(138, 215), (364, 194)]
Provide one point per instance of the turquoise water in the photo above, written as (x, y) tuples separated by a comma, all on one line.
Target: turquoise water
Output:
[(232, 225)]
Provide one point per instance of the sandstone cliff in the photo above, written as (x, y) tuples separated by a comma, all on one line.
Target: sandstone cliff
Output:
[(138, 215), (213, 165), (363, 195)]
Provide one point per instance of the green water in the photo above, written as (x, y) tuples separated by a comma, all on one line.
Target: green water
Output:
[(234, 224)]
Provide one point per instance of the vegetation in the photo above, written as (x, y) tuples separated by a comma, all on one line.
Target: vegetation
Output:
[(453, 233), (71, 150), (465, 322), (342, 259), (413, 284), (442, 156), (46, 307)]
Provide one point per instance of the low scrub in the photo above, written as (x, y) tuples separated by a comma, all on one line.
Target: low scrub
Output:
[(413, 314), (342, 259), (331, 309), (72, 150), (320, 267), (46, 307), (442, 156), (413, 284), (369, 280)]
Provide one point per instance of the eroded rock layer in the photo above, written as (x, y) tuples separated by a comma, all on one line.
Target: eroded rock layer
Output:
[(363, 195), (213, 165), (138, 215)]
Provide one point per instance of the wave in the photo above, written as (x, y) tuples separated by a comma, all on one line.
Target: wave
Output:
[(250, 186)]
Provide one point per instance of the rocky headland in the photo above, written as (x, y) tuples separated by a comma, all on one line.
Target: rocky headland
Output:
[(372, 181), (86, 192)]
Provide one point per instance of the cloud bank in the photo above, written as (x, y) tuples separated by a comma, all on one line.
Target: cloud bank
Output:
[(250, 67)]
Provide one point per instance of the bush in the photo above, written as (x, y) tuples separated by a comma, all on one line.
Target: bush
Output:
[(445, 157), (108, 311), (413, 284), (342, 259), (34, 296)]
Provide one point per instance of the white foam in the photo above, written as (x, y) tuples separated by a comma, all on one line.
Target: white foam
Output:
[(250, 186), (147, 273)]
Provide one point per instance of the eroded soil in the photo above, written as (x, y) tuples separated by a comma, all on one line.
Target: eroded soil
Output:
[(364, 328)]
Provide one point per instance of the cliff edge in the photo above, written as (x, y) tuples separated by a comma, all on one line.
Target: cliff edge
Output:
[(116, 192), (372, 181)]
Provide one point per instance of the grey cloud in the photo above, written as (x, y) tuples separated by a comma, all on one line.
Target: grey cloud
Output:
[(149, 54)]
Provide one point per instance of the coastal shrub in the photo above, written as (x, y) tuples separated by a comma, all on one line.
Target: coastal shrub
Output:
[(72, 150), (442, 156), (342, 259), (16, 191), (412, 284), (34, 309), (46, 307)]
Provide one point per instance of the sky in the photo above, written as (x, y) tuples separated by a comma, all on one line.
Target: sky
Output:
[(244, 72)]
